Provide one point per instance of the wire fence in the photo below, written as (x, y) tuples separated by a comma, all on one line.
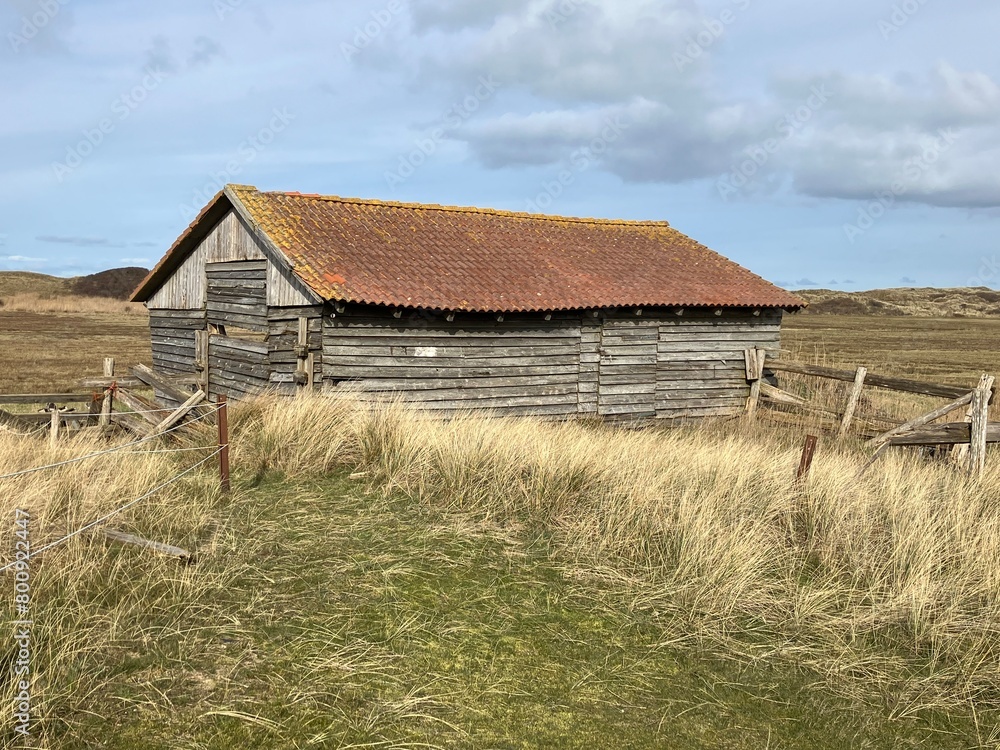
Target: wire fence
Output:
[(116, 449), (124, 449)]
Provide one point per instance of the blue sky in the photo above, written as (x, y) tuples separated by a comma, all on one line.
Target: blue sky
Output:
[(850, 144)]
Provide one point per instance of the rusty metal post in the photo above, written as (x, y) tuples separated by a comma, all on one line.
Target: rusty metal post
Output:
[(808, 452), (224, 443)]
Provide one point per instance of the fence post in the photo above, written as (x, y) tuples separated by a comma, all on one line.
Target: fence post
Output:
[(853, 399), (224, 443), (54, 427), (808, 452), (109, 372), (980, 422), (755, 371), (960, 453)]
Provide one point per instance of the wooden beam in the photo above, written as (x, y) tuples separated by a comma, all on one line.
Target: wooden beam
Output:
[(853, 399), (100, 382), (132, 423), (777, 395), (921, 420), (146, 409), (951, 433), (137, 541), (160, 383), (180, 412), (876, 381)]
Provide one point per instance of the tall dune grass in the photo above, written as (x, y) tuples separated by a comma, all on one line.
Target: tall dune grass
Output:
[(888, 586), (891, 581)]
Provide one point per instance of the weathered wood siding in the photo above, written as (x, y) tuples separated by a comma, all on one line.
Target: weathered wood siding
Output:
[(700, 369), (172, 338), (621, 367), (185, 289), (515, 367), (282, 340), (236, 294), (627, 371), (236, 367)]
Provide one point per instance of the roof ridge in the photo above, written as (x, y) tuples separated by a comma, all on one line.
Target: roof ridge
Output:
[(457, 209)]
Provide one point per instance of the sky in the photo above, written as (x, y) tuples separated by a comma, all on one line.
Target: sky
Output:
[(848, 145)]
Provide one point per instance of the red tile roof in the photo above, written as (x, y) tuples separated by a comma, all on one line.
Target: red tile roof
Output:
[(446, 258)]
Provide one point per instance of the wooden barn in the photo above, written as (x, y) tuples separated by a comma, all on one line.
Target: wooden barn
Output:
[(457, 309)]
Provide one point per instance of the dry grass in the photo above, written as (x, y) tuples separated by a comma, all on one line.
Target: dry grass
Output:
[(890, 582), (41, 303), (889, 589)]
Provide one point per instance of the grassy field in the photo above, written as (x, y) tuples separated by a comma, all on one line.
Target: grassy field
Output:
[(381, 582)]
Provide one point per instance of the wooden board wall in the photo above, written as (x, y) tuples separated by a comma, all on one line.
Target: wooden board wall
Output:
[(517, 367), (231, 240), (700, 369), (623, 367), (172, 339), (185, 289), (282, 340), (237, 295), (236, 367)]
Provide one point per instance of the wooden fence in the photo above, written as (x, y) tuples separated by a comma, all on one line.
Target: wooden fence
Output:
[(969, 437)]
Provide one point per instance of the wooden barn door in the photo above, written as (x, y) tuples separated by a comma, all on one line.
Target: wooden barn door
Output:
[(627, 374)]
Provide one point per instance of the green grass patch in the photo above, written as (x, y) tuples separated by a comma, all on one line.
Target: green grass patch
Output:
[(339, 619)]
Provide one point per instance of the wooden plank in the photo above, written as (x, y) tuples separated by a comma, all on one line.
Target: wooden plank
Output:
[(877, 381), (144, 408), (779, 396), (160, 382), (853, 399), (921, 420), (951, 433), (182, 411), (122, 537)]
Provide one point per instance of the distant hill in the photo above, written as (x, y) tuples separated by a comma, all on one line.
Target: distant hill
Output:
[(976, 302), (116, 283)]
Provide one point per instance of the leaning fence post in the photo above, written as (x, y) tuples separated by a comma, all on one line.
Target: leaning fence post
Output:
[(224, 443), (109, 372), (808, 452), (980, 424), (853, 399), (755, 372)]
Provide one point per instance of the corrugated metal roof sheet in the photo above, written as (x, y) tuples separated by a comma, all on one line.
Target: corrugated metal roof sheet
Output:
[(447, 258)]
